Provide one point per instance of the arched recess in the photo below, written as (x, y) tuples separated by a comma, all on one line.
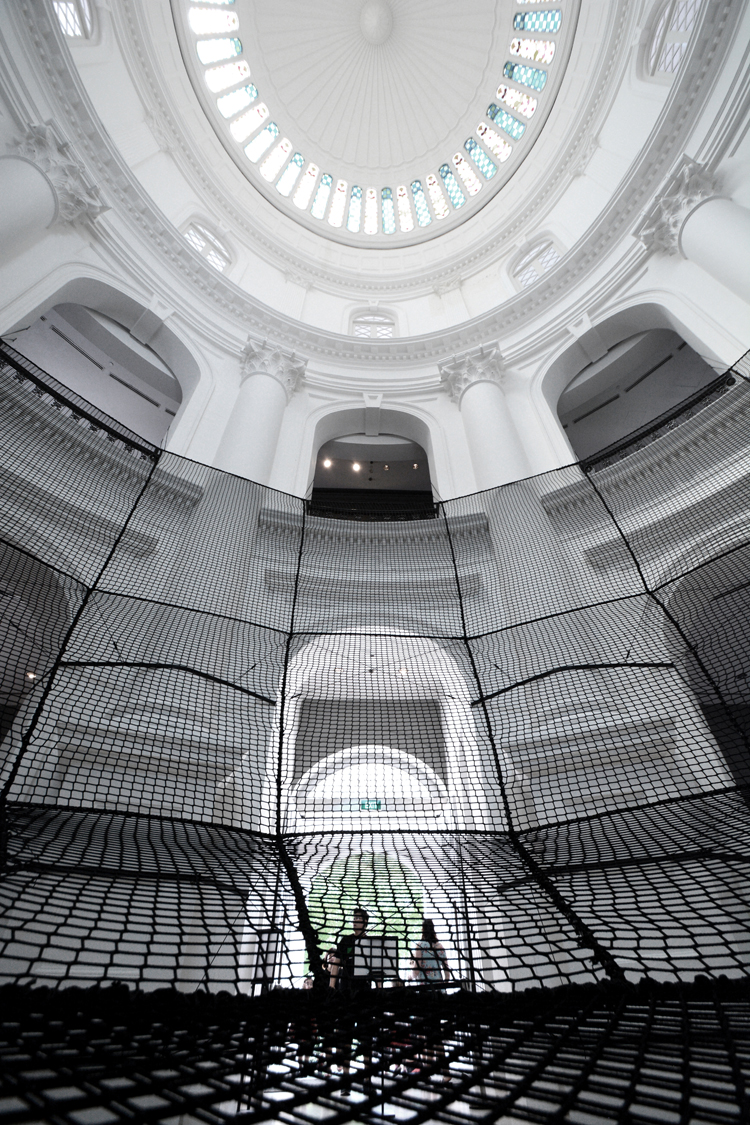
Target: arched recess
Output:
[(711, 605), (137, 368), (622, 373), (371, 419)]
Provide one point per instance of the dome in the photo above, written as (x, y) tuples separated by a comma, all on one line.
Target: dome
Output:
[(378, 123)]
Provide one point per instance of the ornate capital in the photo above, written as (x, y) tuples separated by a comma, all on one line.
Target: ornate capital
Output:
[(660, 229), (264, 359), (76, 198), (484, 366)]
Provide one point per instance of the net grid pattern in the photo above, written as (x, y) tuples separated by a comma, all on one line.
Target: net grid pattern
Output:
[(228, 722)]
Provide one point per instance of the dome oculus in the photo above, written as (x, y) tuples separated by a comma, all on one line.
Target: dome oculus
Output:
[(368, 212)]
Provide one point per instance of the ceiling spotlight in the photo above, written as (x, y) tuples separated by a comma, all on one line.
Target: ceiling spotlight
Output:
[(416, 466), (356, 466), (386, 468), (31, 675), (402, 671), (327, 463)]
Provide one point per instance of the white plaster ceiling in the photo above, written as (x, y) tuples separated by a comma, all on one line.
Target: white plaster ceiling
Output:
[(381, 86), (380, 93)]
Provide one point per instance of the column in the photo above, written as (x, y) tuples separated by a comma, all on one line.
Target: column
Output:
[(40, 184), (690, 219), (474, 381), (268, 379), (716, 236)]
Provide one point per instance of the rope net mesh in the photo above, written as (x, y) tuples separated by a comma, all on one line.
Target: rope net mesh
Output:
[(229, 724)]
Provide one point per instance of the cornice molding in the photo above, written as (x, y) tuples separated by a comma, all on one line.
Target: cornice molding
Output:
[(266, 359), (464, 371), (102, 162)]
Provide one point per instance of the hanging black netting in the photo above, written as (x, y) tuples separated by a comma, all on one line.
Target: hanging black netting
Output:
[(249, 747)]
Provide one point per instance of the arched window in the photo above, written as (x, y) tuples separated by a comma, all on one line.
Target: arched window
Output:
[(75, 18), (534, 262), (374, 326), (668, 42), (208, 245)]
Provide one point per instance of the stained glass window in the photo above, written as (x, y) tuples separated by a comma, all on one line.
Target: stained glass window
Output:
[(214, 50), (405, 216), (535, 262), (494, 142), (205, 22), (303, 194), (371, 211), (472, 183), (338, 204), (424, 218), (208, 245), (222, 77), (74, 17), (525, 75), (455, 194), (516, 100), (387, 211), (506, 121), (232, 103), (486, 166), (243, 126), (263, 141), (320, 202), (670, 39), (275, 160), (437, 199), (290, 175), (537, 21), (536, 50), (354, 218)]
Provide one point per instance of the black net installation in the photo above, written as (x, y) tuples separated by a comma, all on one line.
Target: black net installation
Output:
[(307, 818)]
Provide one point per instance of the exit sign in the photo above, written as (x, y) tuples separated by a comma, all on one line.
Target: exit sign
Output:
[(369, 804)]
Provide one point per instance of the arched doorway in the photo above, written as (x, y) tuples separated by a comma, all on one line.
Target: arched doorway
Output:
[(100, 359), (628, 386), (376, 881), (369, 476)]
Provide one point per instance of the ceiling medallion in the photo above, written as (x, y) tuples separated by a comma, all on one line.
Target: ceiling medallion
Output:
[(376, 21)]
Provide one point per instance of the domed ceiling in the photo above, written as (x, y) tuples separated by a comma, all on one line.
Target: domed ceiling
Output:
[(377, 122)]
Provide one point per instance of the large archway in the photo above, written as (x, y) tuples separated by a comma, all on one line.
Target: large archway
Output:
[(622, 374), (113, 351)]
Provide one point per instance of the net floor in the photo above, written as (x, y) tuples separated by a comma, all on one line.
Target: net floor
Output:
[(581, 1054)]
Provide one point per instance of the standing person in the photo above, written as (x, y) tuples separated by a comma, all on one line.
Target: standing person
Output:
[(430, 966), (344, 980), (429, 956), (342, 961)]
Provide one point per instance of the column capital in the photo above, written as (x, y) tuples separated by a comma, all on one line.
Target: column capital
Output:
[(264, 359), (660, 228), (76, 198), (463, 371)]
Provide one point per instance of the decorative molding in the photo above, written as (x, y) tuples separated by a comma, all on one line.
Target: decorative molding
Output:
[(691, 184), (712, 39), (76, 198), (484, 366), (266, 359)]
